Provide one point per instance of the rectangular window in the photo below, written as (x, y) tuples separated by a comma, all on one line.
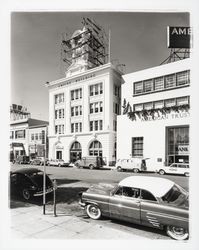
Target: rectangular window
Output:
[(148, 85), (138, 88), (101, 88), (170, 102), (96, 125), (80, 93), (182, 78), (101, 107), (170, 81), (148, 105), (96, 107), (80, 127), (76, 111), (159, 104), (76, 127), (72, 95), (101, 125), (40, 136), (182, 100), (80, 110), (137, 146), (72, 127), (36, 136), (159, 83), (91, 108), (76, 94), (32, 137), (91, 125), (138, 107), (72, 111), (19, 134), (56, 129), (96, 89), (59, 98), (91, 90)]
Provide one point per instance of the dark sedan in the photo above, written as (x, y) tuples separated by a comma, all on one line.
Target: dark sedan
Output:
[(28, 182), (150, 201)]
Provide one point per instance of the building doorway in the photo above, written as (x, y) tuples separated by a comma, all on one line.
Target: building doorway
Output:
[(177, 148), (75, 151), (59, 155)]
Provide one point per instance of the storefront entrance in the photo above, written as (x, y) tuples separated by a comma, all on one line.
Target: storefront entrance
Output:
[(75, 151), (177, 145)]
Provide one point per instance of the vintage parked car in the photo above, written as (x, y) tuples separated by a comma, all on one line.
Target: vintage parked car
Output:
[(90, 162), (175, 168), (134, 164), (150, 201), (38, 161), (57, 162), (28, 182)]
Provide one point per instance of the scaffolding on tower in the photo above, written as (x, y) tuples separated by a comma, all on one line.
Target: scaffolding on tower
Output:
[(89, 44)]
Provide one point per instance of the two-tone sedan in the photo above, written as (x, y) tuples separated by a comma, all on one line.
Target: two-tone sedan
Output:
[(150, 201)]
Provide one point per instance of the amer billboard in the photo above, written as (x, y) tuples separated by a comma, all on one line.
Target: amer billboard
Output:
[(179, 37)]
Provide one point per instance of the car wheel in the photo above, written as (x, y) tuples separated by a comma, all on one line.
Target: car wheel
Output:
[(93, 211), (119, 169), (161, 171), (177, 233), (26, 194), (59, 165), (186, 174), (91, 166), (77, 165), (135, 170)]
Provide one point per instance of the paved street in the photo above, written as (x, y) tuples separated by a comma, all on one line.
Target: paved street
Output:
[(71, 222)]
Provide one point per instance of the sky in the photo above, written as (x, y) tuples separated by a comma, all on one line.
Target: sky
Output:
[(138, 40)]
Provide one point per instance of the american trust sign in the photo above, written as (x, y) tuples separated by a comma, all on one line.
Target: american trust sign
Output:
[(179, 37)]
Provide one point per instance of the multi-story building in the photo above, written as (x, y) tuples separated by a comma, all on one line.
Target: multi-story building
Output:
[(83, 106), (25, 133), (156, 115), (83, 113)]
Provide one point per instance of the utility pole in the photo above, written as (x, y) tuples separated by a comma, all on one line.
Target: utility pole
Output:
[(44, 171)]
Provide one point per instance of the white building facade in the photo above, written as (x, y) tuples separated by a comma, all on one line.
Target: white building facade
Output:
[(156, 123), (83, 109)]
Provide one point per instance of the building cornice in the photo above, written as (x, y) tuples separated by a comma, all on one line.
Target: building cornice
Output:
[(83, 75)]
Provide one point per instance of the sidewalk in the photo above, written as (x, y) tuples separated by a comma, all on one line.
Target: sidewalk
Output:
[(30, 223)]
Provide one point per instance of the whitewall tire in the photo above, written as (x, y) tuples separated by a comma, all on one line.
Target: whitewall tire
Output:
[(93, 211), (177, 233)]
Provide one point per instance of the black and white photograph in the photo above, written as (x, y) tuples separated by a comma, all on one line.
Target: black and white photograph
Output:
[(100, 128)]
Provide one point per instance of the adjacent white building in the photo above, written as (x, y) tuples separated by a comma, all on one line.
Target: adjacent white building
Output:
[(156, 125)]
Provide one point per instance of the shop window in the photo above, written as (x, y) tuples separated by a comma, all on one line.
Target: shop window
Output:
[(159, 104), (148, 105), (177, 145), (137, 146)]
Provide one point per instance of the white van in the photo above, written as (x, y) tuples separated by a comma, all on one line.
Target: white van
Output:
[(175, 168), (134, 164)]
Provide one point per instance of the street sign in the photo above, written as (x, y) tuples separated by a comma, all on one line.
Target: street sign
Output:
[(40, 150)]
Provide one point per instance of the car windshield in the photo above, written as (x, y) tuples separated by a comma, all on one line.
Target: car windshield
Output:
[(176, 195)]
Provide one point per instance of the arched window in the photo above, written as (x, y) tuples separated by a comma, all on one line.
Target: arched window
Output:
[(95, 148), (75, 151)]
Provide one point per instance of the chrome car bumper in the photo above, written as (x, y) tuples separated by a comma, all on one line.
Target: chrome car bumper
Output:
[(82, 205), (49, 190)]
